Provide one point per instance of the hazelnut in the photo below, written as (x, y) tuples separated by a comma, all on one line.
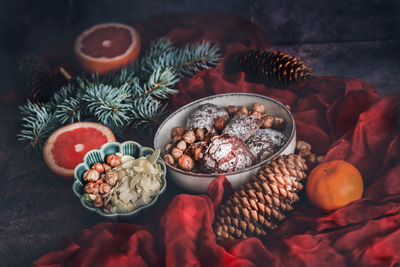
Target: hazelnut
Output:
[(220, 123), (199, 134), (106, 167), (240, 113), (105, 188), (320, 159), (197, 154), (195, 151), (186, 163), (181, 145), (98, 167), (232, 110), (256, 114), (176, 153), (312, 158), (260, 108), (189, 137), (304, 153), (176, 138), (278, 122), (113, 160), (111, 177), (91, 188), (303, 145), (244, 109), (268, 121), (177, 131), (169, 159), (91, 176), (98, 202)]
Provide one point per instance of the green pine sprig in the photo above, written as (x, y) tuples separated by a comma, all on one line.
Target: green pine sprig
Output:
[(184, 61), (127, 97), (38, 124), (109, 105)]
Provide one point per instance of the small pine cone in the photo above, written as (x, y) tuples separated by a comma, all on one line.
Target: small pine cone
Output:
[(273, 68), (39, 78), (262, 202)]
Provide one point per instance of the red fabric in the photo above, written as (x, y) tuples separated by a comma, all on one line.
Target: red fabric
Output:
[(342, 117)]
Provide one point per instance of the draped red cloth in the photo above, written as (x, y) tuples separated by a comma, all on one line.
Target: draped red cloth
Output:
[(343, 118)]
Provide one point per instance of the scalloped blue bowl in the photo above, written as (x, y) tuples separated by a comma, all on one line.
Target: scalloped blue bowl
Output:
[(98, 155)]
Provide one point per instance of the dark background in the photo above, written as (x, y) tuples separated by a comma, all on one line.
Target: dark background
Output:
[(355, 38)]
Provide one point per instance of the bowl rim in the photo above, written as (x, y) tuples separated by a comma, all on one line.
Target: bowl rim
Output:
[(125, 214), (211, 175)]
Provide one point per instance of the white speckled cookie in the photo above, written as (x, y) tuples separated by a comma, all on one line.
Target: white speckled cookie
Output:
[(243, 126), (226, 153), (265, 142), (204, 117)]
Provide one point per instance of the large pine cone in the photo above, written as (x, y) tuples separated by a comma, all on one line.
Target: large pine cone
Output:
[(273, 68), (262, 202)]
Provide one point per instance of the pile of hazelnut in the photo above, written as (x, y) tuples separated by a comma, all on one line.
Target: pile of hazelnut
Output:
[(183, 152), (100, 178), (304, 150), (258, 110), (186, 149)]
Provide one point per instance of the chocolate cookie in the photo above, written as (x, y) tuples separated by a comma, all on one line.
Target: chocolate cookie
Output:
[(204, 116), (226, 153), (243, 126), (265, 142)]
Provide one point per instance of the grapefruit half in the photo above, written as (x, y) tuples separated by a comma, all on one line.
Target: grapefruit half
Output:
[(107, 46), (66, 147)]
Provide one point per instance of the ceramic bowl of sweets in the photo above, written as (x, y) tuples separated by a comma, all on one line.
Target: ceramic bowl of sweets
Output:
[(231, 134), (119, 180)]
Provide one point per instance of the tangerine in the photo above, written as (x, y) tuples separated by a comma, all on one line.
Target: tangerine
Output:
[(334, 184), (107, 46)]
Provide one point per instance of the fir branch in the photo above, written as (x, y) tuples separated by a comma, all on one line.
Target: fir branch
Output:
[(108, 105), (158, 85), (196, 57), (159, 47), (70, 90), (30, 109), (147, 112), (129, 96), (69, 111), (37, 125), (185, 61)]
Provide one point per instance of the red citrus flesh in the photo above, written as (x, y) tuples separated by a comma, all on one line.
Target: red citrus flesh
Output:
[(67, 146), (106, 42), (106, 47)]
